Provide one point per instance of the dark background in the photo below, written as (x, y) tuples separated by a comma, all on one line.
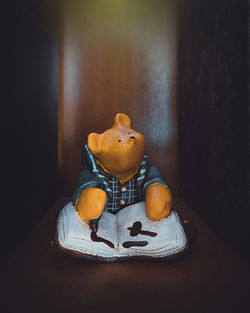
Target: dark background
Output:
[(213, 116), (29, 118)]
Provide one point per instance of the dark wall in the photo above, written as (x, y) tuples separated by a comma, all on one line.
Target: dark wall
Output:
[(213, 115), (29, 118), (248, 33)]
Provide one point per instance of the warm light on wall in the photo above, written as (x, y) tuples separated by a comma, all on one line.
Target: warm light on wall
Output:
[(119, 56)]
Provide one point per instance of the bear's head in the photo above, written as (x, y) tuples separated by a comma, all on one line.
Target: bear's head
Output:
[(120, 149)]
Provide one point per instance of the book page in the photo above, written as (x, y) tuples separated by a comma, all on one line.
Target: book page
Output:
[(75, 234), (138, 235)]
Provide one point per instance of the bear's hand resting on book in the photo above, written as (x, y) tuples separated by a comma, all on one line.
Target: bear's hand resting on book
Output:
[(158, 201), (90, 204)]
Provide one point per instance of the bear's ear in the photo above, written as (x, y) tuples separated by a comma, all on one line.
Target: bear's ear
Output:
[(94, 143), (121, 120)]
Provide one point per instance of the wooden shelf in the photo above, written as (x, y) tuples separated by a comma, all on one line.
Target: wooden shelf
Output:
[(210, 279)]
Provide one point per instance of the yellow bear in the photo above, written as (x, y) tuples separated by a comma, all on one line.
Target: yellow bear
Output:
[(117, 173)]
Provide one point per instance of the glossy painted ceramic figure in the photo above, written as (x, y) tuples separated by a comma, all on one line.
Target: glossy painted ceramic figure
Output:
[(117, 159)]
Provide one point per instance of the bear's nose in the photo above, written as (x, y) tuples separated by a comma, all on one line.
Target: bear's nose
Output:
[(132, 137)]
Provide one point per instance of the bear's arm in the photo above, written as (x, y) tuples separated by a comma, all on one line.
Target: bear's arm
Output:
[(158, 201), (86, 180), (157, 194), (91, 203), (153, 176)]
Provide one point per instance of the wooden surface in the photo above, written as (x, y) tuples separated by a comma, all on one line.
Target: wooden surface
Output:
[(118, 56), (210, 279)]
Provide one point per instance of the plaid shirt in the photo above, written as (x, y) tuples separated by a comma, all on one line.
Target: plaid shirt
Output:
[(118, 195), (122, 194)]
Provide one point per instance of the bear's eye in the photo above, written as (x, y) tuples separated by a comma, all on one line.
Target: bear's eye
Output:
[(129, 133), (119, 140)]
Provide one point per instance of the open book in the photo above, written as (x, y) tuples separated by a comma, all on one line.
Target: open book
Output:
[(129, 233)]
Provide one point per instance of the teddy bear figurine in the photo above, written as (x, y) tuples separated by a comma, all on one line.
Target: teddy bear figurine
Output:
[(117, 174)]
